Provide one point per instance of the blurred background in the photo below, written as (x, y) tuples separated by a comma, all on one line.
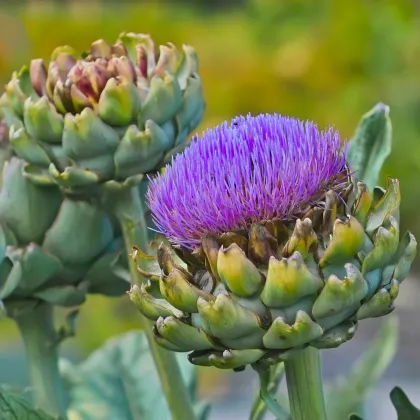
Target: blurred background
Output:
[(329, 61)]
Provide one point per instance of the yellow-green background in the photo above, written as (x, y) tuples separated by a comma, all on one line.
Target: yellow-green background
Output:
[(325, 60)]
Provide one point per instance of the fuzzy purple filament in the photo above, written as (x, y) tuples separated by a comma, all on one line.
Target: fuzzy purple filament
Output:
[(255, 169)]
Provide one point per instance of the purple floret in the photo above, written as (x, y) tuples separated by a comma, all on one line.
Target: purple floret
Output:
[(255, 169)]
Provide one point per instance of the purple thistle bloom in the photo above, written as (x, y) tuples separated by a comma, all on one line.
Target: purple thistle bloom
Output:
[(255, 169)]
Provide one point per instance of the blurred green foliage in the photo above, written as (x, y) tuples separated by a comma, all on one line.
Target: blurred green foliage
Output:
[(329, 61)]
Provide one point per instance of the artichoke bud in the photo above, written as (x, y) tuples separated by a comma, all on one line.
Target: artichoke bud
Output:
[(237, 272), (275, 261), (149, 98), (44, 260), (303, 239)]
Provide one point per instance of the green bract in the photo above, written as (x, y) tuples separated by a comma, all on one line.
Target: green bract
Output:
[(259, 295), (52, 248), (107, 118), (5, 149)]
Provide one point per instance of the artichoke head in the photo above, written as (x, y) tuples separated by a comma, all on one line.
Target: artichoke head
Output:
[(107, 118), (53, 248), (262, 293)]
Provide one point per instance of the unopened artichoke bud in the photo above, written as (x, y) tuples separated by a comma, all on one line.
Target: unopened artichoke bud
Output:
[(278, 250), (52, 248), (107, 118)]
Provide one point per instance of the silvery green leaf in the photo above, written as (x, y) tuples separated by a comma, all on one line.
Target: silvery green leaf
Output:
[(120, 381), (405, 409), (347, 395), (371, 144), (13, 406)]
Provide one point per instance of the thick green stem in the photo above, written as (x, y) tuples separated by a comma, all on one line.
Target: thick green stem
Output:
[(39, 337), (304, 385), (130, 213)]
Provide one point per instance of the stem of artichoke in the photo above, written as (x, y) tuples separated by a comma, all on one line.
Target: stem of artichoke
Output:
[(39, 337), (304, 385), (130, 213)]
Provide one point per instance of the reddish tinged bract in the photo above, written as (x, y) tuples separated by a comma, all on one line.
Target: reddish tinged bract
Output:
[(253, 169)]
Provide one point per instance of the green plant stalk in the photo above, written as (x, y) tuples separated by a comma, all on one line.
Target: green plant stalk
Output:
[(269, 382), (40, 340), (304, 385), (130, 213)]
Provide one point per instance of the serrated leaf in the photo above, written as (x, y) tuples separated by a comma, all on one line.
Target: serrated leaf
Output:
[(371, 144), (347, 395), (120, 381), (15, 407), (405, 409)]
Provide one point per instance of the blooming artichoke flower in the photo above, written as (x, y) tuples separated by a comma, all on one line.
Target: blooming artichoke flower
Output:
[(52, 248), (272, 245), (107, 118)]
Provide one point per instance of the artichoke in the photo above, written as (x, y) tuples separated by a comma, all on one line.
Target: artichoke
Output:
[(104, 119), (53, 248), (271, 245)]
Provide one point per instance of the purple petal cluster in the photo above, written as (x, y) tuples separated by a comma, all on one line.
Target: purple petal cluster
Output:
[(254, 169)]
